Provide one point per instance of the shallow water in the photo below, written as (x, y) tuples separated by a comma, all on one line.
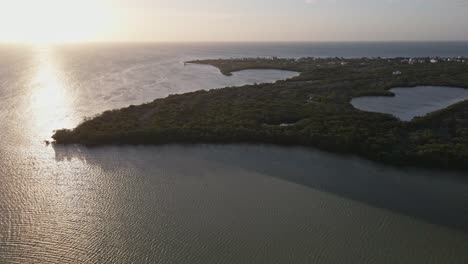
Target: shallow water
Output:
[(202, 203), (409, 103)]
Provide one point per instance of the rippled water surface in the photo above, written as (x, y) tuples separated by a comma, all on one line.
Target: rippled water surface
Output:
[(409, 103), (203, 203)]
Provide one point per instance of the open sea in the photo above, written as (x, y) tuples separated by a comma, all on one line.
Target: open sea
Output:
[(202, 203)]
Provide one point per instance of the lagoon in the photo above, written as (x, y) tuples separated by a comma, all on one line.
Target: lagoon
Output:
[(409, 103)]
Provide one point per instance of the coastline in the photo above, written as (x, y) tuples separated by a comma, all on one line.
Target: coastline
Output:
[(317, 102)]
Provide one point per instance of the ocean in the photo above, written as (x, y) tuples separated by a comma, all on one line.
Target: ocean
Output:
[(202, 203)]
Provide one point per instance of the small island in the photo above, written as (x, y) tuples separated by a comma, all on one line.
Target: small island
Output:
[(312, 109)]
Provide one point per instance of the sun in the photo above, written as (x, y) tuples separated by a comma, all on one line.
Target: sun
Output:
[(44, 21)]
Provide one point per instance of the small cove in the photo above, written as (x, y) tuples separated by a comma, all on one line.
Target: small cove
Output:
[(409, 103)]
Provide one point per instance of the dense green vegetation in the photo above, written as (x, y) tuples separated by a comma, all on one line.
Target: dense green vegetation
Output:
[(312, 109)]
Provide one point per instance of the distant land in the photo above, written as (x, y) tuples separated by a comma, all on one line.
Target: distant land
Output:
[(312, 109)]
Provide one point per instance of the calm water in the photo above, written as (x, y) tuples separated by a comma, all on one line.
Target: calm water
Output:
[(409, 103), (204, 203)]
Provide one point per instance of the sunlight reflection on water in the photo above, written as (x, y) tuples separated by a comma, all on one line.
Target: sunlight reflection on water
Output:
[(50, 103)]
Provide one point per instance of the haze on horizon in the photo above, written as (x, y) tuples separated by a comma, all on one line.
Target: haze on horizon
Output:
[(240, 20)]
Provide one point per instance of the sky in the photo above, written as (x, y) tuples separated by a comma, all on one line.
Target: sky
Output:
[(232, 20)]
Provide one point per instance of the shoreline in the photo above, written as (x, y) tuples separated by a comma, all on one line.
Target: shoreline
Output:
[(317, 101)]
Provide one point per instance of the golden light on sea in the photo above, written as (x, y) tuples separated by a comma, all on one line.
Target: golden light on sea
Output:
[(51, 98)]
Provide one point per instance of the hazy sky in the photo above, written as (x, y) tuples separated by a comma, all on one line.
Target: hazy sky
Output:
[(233, 20)]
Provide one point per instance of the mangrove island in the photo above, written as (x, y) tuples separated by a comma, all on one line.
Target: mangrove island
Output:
[(312, 109)]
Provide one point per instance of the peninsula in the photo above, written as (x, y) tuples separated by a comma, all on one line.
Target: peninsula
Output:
[(312, 109)]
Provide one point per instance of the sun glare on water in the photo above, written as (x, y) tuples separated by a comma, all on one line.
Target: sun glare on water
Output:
[(51, 21), (51, 99)]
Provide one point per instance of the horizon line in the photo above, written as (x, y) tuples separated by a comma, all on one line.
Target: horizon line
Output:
[(223, 42)]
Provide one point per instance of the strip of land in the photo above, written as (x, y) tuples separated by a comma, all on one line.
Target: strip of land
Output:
[(312, 109)]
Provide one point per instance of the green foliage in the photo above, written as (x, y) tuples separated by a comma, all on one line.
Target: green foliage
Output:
[(312, 109)]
